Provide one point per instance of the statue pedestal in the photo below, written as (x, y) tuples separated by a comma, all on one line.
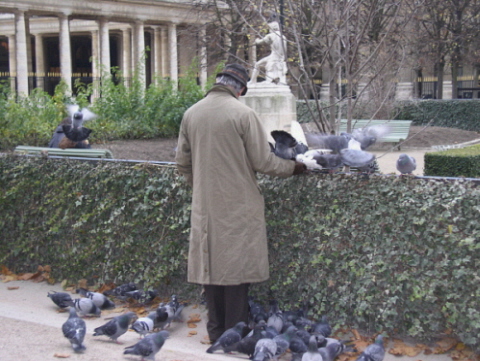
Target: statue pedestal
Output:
[(274, 103)]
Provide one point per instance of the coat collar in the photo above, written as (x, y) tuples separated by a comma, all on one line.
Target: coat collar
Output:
[(222, 89)]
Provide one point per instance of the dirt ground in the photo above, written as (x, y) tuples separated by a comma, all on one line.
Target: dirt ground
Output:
[(164, 149)]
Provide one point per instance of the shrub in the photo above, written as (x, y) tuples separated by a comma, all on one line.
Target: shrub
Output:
[(463, 162)]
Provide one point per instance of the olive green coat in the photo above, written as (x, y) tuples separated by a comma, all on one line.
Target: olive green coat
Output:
[(221, 145)]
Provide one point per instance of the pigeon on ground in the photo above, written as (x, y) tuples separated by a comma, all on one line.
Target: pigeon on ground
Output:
[(247, 344), (177, 308), (322, 327), (99, 299), (229, 337), (374, 351), (275, 316), (144, 325), (256, 312), (283, 340), (161, 318), (61, 299), (115, 327), (74, 330), (85, 307), (332, 351), (121, 290), (312, 353), (406, 164), (265, 350), (297, 347), (148, 347), (285, 144)]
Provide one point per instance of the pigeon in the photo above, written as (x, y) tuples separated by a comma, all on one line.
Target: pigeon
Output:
[(374, 351), (176, 307), (229, 337), (115, 327), (149, 346), (161, 320), (312, 353), (256, 312), (121, 290), (247, 344), (283, 340), (332, 350), (74, 330), (285, 144), (275, 316), (369, 135), (329, 161), (99, 299), (136, 295), (297, 347), (144, 325), (76, 132), (406, 164), (322, 327), (265, 349), (356, 158), (325, 141), (61, 299), (85, 307)]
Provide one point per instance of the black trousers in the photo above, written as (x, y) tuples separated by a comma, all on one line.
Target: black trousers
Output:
[(227, 305)]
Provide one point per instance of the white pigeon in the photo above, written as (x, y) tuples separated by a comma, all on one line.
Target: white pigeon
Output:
[(145, 324)]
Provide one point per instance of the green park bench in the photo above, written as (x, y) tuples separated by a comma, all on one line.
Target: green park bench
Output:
[(69, 152), (399, 129)]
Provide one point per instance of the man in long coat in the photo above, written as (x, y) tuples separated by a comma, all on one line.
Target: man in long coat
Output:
[(221, 145)]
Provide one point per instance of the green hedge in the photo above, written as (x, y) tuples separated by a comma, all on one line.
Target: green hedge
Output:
[(462, 162), (390, 253), (461, 114)]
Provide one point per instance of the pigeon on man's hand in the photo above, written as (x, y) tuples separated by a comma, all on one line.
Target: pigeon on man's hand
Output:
[(285, 144), (374, 351), (74, 330), (406, 164), (61, 299), (149, 346), (85, 307), (99, 299), (115, 327), (229, 337)]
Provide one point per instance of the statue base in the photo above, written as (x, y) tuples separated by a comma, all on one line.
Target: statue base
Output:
[(274, 103)]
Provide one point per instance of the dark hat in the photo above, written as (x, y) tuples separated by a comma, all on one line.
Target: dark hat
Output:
[(238, 72)]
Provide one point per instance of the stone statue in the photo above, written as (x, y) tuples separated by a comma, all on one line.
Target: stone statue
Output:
[(275, 64)]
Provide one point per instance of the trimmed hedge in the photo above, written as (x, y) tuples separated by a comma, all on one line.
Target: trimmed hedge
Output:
[(391, 253), (463, 162)]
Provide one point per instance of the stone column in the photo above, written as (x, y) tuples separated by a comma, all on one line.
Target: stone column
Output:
[(12, 61), (139, 50), (203, 57), (21, 53), (172, 48), (164, 40), (126, 55), (104, 38), (65, 51), (96, 73), (40, 62), (157, 52)]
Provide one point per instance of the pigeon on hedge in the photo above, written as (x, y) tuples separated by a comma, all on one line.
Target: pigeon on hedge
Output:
[(99, 299), (322, 327), (356, 158), (247, 344), (229, 337), (406, 164), (115, 327), (149, 346), (329, 161), (374, 351), (312, 353), (144, 325), (74, 330), (61, 299), (275, 316), (265, 350), (85, 307)]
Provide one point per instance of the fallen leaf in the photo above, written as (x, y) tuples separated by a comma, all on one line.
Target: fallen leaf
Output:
[(192, 333), (25, 276), (191, 325), (5, 271), (40, 268), (47, 268), (13, 288), (10, 278), (402, 349), (356, 335), (62, 355), (82, 283), (194, 318), (445, 345)]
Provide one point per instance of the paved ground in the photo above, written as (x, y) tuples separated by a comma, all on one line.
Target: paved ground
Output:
[(31, 327)]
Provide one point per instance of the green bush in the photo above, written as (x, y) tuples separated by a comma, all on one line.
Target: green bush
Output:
[(463, 162), (460, 114), (391, 253)]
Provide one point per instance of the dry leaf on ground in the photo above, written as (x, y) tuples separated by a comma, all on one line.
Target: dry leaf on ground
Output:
[(444, 345), (62, 355), (402, 349), (13, 288), (194, 318), (192, 333)]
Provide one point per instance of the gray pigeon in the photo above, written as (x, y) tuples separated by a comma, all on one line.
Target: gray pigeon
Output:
[(115, 327), (285, 144), (356, 158), (275, 316), (283, 340), (61, 299), (265, 350), (322, 327), (144, 325), (161, 319), (177, 308), (373, 352), (85, 307), (406, 164), (369, 135), (247, 344), (99, 299), (332, 350), (229, 337), (312, 353), (74, 330), (76, 131), (325, 141), (329, 161), (148, 347), (297, 347)]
